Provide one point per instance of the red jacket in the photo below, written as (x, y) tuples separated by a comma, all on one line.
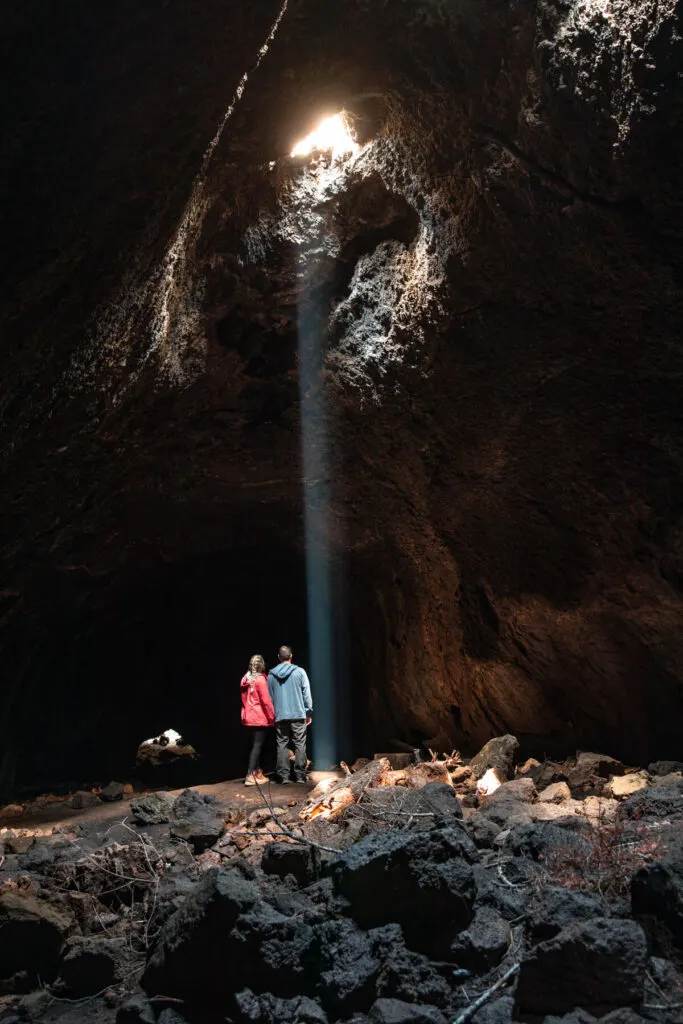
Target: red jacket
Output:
[(257, 707)]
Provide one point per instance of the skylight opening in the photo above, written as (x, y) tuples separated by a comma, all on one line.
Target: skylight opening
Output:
[(332, 136)]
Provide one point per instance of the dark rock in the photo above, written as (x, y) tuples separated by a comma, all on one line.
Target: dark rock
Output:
[(424, 881), (484, 942), (90, 964), (498, 1011), (394, 1011), (136, 1010), (597, 965), (511, 903), (482, 830), (665, 767), (554, 908), (577, 1016), (282, 859), (657, 895), (112, 791), (500, 753), (591, 772), (269, 1009), (32, 935), (171, 1016), (403, 973), (540, 839), (190, 959), (191, 804), (271, 951), (441, 799), (624, 1015), (348, 967), (82, 799), (200, 832), (655, 802), (19, 844), (152, 809)]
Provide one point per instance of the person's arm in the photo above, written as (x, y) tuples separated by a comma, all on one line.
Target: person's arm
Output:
[(306, 694), (266, 703)]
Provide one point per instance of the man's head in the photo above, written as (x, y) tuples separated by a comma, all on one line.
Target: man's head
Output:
[(284, 654)]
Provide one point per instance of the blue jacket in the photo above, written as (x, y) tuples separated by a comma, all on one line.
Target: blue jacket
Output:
[(290, 691)]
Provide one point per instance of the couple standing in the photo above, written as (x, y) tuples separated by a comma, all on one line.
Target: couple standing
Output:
[(283, 699)]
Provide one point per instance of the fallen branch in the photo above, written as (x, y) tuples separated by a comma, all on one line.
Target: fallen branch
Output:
[(485, 996), (288, 832)]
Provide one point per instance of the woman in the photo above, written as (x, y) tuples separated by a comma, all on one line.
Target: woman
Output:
[(257, 715)]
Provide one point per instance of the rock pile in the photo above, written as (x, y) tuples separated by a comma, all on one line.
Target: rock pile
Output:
[(557, 895)]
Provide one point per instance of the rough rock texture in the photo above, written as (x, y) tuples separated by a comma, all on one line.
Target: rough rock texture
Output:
[(32, 934), (494, 287)]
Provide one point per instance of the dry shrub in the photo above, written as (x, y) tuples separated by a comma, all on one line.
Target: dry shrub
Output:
[(615, 850)]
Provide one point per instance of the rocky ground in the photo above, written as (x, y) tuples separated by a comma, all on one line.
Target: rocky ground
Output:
[(400, 893)]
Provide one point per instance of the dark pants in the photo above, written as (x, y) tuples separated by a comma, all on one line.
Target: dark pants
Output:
[(291, 730), (258, 735)]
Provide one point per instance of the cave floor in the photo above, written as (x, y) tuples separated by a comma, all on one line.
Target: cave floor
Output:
[(43, 819)]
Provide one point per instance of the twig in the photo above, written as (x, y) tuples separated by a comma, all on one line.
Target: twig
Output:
[(485, 996), (288, 832), (96, 995), (662, 1006)]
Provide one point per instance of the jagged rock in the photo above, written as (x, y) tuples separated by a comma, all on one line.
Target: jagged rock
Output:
[(200, 832), (498, 1011), (500, 753), (282, 859), (82, 799), (271, 951), (424, 881), (136, 1010), (394, 1011), (540, 839), (657, 894), (112, 791), (667, 780), (555, 793), (597, 965), (171, 1016), (554, 908), (663, 802), (624, 1015), (626, 785), (510, 804), (190, 804), (482, 830), (32, 935), (90, 964), (484, 942), (577, 1016), (195, 940), (152, 809), (348, 967), (442, 800), (404, 974), (659, 768), (269, 1009), (508, 901), (591, 771), (19, 844)]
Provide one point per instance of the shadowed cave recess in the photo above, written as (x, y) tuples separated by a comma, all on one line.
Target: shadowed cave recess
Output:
[(437, 377)]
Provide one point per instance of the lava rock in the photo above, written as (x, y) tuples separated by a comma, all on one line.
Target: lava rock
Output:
[(282, 859), (554, 908), (272, 951), (442, 800), (576, 1016), (591, 771), (200, 832), (657, 894), (424, 881), (269, 1009), (171, 1016), (190, 959), (484, 942), (624, 1015), (655, 802), (136, 1010), (500, 753), (349, 968), (482, 831), (112, 791), (555, 793), (403, 973), (82, 799), (665, 767), (90, 964), (191, 804), (395, 1011), (19, 844), (540, 839), (598, 965), (509, 902), (499, 1011), (152, 809), (32, 935)]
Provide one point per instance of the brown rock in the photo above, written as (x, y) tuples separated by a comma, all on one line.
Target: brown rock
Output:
[(591, 772), (556, 793), (625, 785), (19, 844), (498, 753)]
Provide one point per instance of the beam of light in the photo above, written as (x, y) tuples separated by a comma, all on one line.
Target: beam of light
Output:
[(331, 136)]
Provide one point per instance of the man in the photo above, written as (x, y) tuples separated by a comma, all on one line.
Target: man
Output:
[(290, 692)]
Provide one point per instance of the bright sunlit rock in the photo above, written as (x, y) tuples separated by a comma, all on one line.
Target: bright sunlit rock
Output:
[(488, 783), (331, 136)]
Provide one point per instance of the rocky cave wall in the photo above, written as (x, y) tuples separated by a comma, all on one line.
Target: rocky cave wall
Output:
[(496, 278)]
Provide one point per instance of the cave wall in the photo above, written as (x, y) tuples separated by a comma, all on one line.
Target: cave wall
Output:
[(497, 283)]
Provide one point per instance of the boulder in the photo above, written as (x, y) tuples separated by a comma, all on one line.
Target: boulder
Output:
[(555, 793), (500, 753), (422, 880), (657, 894), (191, 804), (540, 839), (348, 967), (395, 1011), (90, 964), (665, 767), (404, 974), (82, 799), (152, 809), (622, 786), (200, 832), (271, 951), (32, 935), (655, 802), (591, 771), (484, 942), (112, 791), (269, 1009), (19, 844), (482, 831), (509, 901), (442, 800), (282, 859), (598, 965), (554, 908), (191, 957)]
